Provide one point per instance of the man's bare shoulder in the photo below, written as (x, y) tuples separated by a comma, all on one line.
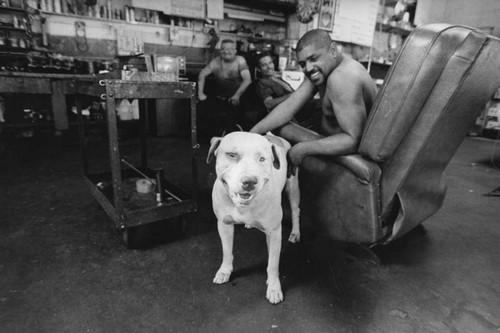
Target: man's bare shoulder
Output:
[(240, 59), (349, 70), (214, 63)]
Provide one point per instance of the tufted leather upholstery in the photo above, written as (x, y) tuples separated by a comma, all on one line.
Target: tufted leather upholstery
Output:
[(438, 84)]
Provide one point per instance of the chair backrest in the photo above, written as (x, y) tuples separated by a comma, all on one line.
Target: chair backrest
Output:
[(432, 94)]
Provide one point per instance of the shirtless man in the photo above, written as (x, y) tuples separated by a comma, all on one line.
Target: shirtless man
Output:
[(232, 76), (347, 93), (271, 89)]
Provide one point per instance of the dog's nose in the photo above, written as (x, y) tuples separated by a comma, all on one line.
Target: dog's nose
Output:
[(248, 183)]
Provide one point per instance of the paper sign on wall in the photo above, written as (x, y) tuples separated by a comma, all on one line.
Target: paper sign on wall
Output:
[(215, 9), (186, 8), (354, 21)]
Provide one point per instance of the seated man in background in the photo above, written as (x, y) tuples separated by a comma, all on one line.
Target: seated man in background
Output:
[(271, 89), (232, 78), (346, 91)]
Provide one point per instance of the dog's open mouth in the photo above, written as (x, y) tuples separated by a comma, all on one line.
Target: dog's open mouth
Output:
[(244, 197)]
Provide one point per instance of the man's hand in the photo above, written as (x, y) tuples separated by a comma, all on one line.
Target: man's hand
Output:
[(234, 100), (295, 157), (202, 97)]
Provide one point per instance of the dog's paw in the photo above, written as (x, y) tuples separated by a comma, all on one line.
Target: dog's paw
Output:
[(294, 237), (274, 296), (222, 276)]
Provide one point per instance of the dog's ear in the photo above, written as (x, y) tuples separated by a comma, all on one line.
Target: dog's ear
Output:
[(214, 144), (276, 159)]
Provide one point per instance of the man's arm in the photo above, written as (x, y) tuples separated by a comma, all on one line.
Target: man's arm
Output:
[(346, 99), (206, 71), (285, 111), (270, 103), (247, 80)]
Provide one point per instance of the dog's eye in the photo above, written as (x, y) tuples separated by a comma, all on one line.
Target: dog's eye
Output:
[(232, 155), (262, 159)]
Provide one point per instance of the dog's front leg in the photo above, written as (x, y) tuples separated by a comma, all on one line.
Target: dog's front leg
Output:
[(274, 293), (226, 233), (292, 191)]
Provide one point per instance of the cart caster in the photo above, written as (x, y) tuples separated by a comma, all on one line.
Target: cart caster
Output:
[(126, 233), (129, 237)]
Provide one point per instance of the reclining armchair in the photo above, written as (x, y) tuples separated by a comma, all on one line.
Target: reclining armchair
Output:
[(440, 81)]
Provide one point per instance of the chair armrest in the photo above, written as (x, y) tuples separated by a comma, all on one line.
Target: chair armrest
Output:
[(366, 171)]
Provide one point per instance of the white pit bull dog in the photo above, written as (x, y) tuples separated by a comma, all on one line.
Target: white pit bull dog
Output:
[(251, 174)]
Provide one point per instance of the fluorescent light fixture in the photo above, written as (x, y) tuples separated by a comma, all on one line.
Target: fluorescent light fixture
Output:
[(249, 16), (245, 17)]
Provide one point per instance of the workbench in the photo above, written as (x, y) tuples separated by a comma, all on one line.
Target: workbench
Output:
[(55, 85)]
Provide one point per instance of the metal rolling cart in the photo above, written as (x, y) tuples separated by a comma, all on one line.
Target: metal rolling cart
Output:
[(113, 190)]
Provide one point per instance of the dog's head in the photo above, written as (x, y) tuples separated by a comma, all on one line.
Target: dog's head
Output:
[(244, 164)]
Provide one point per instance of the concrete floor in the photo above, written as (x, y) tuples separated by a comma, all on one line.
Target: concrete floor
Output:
[(64, 267)]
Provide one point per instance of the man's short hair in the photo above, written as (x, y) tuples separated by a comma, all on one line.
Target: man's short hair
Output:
[(262, 55), (316, 37), (227, 41)]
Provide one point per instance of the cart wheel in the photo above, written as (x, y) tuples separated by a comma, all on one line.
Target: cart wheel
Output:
[(129, 238)]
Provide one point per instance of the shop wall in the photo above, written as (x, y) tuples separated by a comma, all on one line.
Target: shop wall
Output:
[(100, 40), (483, 14)]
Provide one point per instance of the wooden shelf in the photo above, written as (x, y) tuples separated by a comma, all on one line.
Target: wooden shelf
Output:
[(14, 50), (12, 9), (249, 37), (7, 27), (45, 124), (394, 30)]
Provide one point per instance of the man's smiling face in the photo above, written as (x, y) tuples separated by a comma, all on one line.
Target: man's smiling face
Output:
[(228, 52), (266, 66), (317, 63)]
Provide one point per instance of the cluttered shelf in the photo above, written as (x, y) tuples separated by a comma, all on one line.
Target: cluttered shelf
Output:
[(152, 25), (15, 28)]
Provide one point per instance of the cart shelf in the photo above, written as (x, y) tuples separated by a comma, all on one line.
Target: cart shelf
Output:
[(115, 190)]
